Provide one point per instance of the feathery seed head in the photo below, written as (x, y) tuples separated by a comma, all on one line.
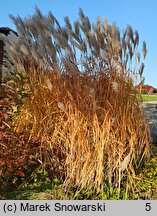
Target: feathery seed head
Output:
[(48, 84), (61, 106), (125, 162), (115, 86), (91, 91), (24, 50), (144, 49)]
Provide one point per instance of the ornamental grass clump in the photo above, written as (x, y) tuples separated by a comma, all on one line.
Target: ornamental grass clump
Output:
[(83, 109)]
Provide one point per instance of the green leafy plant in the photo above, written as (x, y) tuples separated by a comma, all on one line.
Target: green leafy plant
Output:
[(143, 91), (40, 181), (146, 183)]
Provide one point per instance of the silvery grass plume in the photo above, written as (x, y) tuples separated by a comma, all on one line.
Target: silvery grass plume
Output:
[(91, 91), (24, 50), (125, 162), (94, 46), (48, 84), (115, 86), (61, 106), (144, 49), (138, 56), (141, 69)]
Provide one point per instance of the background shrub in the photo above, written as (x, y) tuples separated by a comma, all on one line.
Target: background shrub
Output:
[(144, 91)]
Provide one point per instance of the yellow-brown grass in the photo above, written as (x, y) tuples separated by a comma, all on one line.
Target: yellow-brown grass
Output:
[(89, 129), (83, 109)]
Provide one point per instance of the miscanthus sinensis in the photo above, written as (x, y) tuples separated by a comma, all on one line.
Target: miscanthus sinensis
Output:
[(115, 86)]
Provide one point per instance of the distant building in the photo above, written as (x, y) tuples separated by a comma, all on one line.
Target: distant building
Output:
[(5, 31), (148, 88)]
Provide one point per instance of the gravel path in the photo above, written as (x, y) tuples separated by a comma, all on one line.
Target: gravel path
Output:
[(151, 114)]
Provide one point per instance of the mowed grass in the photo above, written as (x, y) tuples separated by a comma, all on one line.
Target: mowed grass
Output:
[(149, 97)]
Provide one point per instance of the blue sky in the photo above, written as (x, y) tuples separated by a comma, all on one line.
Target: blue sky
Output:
[(140, 14)]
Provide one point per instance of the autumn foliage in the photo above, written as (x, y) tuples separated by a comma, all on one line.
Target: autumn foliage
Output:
[(80, 116)]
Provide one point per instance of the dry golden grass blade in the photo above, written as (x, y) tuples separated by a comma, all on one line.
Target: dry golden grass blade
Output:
[(87, 122)]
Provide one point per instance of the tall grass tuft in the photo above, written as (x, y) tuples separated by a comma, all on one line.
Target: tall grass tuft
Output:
[(83, 108)]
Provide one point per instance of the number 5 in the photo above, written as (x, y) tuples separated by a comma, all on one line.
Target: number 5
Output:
[(148, 207)]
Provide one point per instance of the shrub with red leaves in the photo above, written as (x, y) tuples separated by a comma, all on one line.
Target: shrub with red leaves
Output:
[(11, 173), (11, 168), (20, 173), (17, 155)]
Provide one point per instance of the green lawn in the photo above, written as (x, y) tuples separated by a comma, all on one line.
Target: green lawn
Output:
[(149, 97)]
